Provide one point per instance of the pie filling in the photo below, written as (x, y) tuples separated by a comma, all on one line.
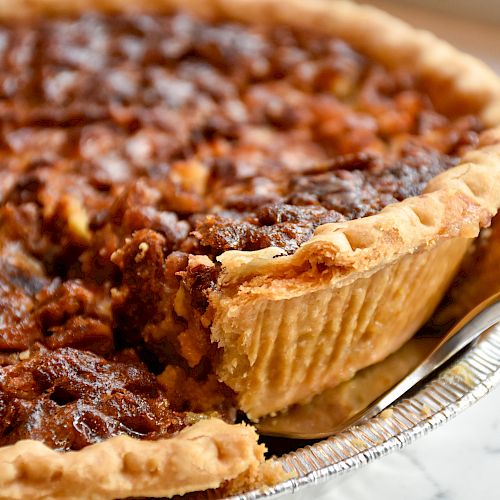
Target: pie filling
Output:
[(135, 149)]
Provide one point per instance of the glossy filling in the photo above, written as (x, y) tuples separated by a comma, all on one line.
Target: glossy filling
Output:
[(136, 149)]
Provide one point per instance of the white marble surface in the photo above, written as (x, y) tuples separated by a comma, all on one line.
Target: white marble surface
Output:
[(460, 460)]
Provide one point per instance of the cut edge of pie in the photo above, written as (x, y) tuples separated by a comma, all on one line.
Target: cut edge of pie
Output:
[(267, 304), (382, 252)]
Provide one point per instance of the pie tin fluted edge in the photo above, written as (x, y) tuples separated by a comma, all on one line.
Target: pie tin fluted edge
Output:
[(469, 378)]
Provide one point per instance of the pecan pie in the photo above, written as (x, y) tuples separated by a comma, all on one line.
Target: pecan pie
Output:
[(213, 206)]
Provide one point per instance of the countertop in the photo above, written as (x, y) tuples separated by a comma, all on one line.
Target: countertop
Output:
[(458, 461), (461, 459)]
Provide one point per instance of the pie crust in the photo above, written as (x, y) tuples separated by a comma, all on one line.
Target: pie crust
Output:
[(198, 458), (291, 326), (366, 285)]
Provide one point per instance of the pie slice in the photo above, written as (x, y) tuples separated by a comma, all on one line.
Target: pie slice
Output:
[(216, 208)]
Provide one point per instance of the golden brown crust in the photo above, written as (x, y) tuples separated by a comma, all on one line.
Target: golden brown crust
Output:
[(334, 406), (277, 352), (203, 456), (457, 203), (259, 293)]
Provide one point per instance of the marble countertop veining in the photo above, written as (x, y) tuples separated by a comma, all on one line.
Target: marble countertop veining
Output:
[(461, 459)]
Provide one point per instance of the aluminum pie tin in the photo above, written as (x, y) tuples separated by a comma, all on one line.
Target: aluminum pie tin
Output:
[(470, 377)]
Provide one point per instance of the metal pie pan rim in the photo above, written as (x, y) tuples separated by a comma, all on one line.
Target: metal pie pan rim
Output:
[(467, 380)]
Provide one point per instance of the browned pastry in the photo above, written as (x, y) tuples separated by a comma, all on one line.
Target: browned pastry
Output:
[(214, 210)]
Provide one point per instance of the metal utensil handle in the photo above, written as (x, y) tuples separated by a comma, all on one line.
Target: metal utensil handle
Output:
[(484, 316)]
